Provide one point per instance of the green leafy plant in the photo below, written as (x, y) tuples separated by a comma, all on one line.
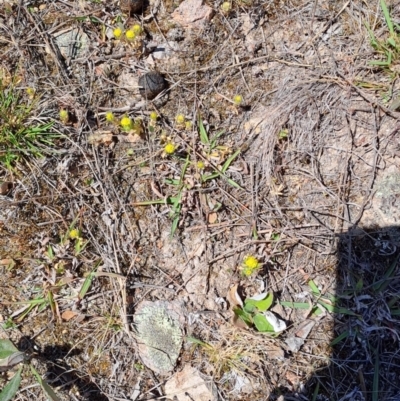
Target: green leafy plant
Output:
[(254, 313), (174, 201), (322, 302), (10, 357), (18, 136), (389, 47), (210, 150)]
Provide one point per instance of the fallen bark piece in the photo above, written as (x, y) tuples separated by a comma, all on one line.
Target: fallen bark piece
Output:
[(189, 385)]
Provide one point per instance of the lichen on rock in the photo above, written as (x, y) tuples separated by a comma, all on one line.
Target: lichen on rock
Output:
[(159, 333)]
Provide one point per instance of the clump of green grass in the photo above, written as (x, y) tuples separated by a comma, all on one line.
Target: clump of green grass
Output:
[(19, 138), (389, 48)]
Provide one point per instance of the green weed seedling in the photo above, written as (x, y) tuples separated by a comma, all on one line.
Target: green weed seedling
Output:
[(18, 138), (11, 357), (254, 313), (174, 201), (389, 47), (211, 148), (322, 302)]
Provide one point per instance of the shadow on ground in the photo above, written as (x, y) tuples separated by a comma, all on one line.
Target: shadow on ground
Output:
[(365, 363), (59, 374)]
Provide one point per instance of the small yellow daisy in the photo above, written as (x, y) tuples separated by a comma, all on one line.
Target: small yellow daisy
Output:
[(74, 234), (238, 100), (117, 32), (126, 123), (110, 116), (169, 148), (137, 29), (130, 35), (180, 119)]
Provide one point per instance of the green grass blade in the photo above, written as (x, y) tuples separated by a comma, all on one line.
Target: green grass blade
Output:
[(11, 388), (215, 138), (382, 284), (45, 387), (229, 161), (88, 282), (170, 200), (315, 393), (340, 338), (314, 287), (372, 38), (379, 63), (386, 14), (335, 309), (203, 133), (295, 305), (174, 225), (375, 385)]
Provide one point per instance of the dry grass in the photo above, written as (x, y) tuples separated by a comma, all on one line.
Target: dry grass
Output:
[(316, 133)]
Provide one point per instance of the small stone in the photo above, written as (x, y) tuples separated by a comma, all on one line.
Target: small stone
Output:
[(193, 14), (131, 6), (151, 84)]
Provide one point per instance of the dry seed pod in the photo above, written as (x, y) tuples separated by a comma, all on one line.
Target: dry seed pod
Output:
[(131, 6), (151, 84)]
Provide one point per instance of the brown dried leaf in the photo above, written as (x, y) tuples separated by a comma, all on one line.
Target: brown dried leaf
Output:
[(304, 329), (212, 218), (234, 298), (101, 138), (68, 315)]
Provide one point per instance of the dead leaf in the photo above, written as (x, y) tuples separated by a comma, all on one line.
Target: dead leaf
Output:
[(292, 378), (275, 352), (5, 187), (100, 138), (304, 329), (190, 384), (10, 263), (212, 218), (234, 298), (294, 343), (68, 315), (129, 138)]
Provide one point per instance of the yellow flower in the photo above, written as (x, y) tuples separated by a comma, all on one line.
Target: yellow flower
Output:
[(64, 115), (251, 262), (74, 234), (188, 125), (137, 29), (130, 35), (226, 7), (117, 32), (238, 100), (126, 123), (200, 165), (180, 119), (153, 116), (169, 148), (30, 92), (110, 116)]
